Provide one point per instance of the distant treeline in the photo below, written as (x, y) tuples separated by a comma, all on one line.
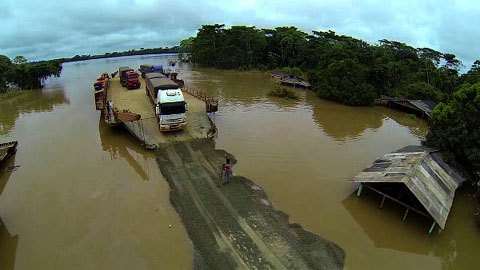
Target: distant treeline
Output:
[(340, 68), (141, 51), (18, 73)]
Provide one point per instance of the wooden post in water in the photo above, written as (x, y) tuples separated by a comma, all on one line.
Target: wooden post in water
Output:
[(432, 227), (405, 215), (383, 201), (359, 191)]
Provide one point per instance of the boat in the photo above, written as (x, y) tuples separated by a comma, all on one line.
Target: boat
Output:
[(7, 150)]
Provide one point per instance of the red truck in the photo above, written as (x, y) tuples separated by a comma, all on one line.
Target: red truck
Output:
[(129, 78)]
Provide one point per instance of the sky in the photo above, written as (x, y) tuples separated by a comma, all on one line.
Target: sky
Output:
[(46, 29)]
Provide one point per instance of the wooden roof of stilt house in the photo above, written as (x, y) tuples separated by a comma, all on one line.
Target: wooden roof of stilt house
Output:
[(422, 172), (419, 107)]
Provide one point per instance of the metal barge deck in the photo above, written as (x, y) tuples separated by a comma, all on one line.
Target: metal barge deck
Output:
[(133, 110)]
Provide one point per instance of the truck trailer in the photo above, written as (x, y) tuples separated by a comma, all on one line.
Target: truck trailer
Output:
[(147, 68)]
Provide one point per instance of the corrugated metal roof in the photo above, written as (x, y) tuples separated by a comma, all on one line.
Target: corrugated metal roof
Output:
[(423, 172), (424, 105)]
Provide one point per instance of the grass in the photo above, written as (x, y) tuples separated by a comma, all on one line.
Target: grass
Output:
[(410, 116)]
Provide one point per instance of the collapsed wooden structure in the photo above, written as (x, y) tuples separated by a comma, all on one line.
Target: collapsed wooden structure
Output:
[(415, 177), (420, 108), (289, 79)]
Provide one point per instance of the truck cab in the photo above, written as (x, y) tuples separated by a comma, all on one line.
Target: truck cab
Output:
[(122, 71), (132, 80), (171, 110), (169, 103)]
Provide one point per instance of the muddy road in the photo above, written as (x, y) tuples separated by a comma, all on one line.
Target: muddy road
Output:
[(234, 226)]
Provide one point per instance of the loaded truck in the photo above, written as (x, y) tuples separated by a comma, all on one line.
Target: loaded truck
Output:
[(147, 68), (168, 102), (129, 78), (149, 76)]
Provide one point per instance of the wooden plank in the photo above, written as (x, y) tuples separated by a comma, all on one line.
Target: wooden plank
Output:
[(397, 201)]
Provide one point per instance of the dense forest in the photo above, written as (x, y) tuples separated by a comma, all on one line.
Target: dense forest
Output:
[(340, 68), (19, 73), (354, 72)]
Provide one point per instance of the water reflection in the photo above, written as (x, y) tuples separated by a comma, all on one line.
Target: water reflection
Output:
[(344, 123), (386, 229), (30, 102), (115, 141), (414, 237), (229, 86), (8, 242), (417, 127), (5, 173), (8, 247)]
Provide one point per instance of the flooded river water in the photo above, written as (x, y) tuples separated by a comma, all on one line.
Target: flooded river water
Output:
[(89, 197)]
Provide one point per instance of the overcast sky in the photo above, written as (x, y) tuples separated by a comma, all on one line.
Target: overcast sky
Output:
[(44, 29)]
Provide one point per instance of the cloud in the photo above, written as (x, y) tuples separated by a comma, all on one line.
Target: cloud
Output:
[(48, 29)]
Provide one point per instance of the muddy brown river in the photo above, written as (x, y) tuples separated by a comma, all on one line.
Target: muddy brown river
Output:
[(86, 196)]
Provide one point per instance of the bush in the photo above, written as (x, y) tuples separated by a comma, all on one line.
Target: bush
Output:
[(283, 93)]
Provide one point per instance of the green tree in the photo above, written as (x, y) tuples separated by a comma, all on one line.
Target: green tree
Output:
[(32, 75), (19, 59), (418, 90), (185, 49), (241, 48), (345, 81), (473, 75), (206, 43), (455, 128), (5, 65)]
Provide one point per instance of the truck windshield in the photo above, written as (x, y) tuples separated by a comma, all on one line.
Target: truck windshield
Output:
[(166, 110), (133, 76)]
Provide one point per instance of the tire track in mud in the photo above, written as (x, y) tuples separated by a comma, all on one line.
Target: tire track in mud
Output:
[(234, 226)]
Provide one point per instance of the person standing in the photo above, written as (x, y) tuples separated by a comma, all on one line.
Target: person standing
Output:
[(226, 171)]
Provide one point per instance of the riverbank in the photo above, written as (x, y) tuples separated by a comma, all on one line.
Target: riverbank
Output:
[(235, 226)]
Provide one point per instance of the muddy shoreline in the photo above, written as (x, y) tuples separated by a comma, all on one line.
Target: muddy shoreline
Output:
[(235, 226)]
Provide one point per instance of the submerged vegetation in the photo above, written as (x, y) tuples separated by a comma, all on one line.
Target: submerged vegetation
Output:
[(283, 93), (18, 73)]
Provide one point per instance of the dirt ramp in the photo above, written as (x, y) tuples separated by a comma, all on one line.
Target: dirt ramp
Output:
[(234, 226)]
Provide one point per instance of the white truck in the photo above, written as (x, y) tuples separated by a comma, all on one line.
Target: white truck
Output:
[(169, 103)]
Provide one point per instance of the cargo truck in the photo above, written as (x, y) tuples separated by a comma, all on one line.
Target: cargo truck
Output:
[(147, 68), (129, 78), (168, 102)]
